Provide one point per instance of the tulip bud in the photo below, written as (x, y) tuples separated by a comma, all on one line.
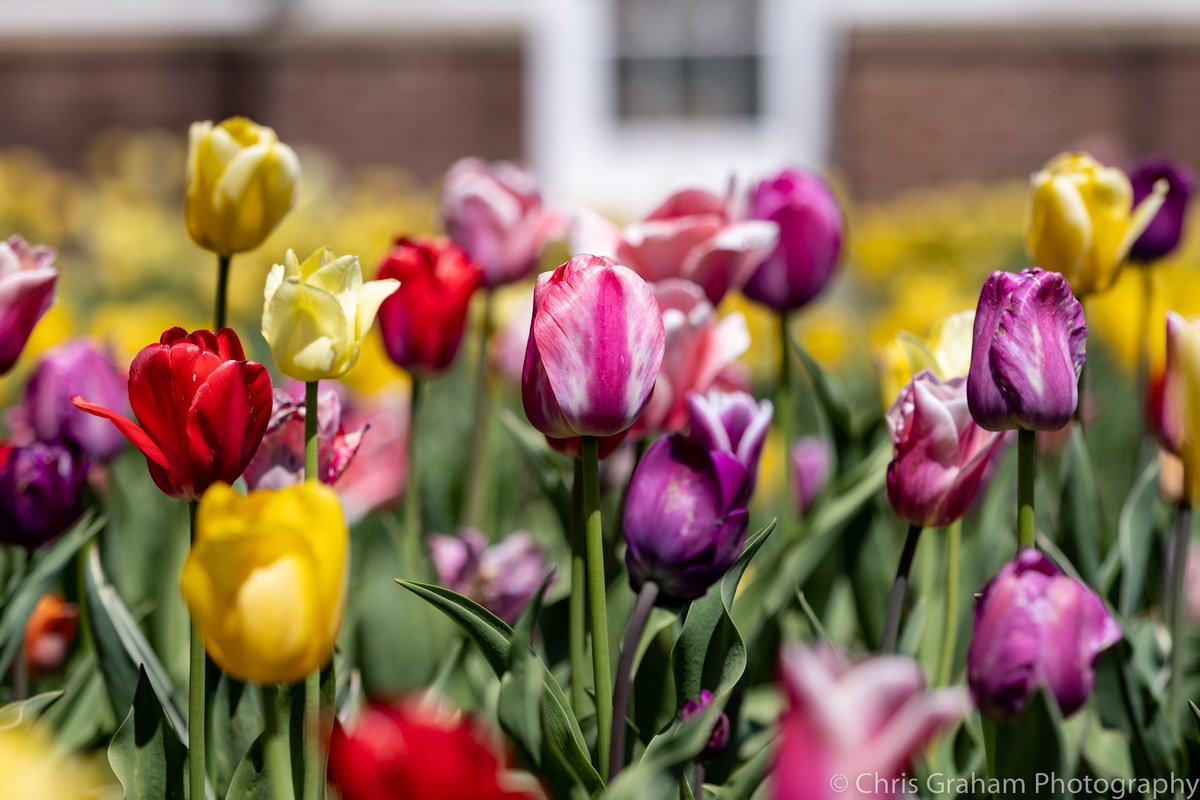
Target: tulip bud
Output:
[(36, 766), (422, 323), (810, 239), (1163, 233), (1030, 346), (48, 633), (812, 462), (731, 422), (1180, 426), (241, 181), (1082, 221), (279, 460), (317, 313), (852, 726), (26, 292), (501, 578), (409, 750), (265, 581), (685, 518), (718, 740), (76, 367), (494, 212), (1166, 389), (595, 347), (41, 488), (1036, 627)]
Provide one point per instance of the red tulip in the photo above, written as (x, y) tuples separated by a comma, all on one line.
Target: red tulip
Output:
[(423, 321), (202, 408)]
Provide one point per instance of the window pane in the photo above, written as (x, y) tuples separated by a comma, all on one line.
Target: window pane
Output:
[(722, 87), (650, 88)]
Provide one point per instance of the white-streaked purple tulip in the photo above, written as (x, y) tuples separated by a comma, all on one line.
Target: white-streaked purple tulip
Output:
[(595, 348), (501, 578), (279, 460), (1029, 348), (494, 212), (810, 239), (1036, 627), (849, 724), (940, 454), (47, 413), (812, 463), (731, 422), (685, 518), (26, 292)]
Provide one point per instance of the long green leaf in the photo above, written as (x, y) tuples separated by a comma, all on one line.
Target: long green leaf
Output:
[(1135, 538), (145, 754), (543, 461), (27, 710), (748, 777), (1032, 745), (522, 696)]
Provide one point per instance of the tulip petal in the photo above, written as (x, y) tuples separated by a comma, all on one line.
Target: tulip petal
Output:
[(727, 260), (227, 419), (1143, 215), (128, 428), (1060, 231)]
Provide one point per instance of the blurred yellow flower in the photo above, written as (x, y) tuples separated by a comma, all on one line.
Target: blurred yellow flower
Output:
[(35, 768), (947, 353), (265, 581)]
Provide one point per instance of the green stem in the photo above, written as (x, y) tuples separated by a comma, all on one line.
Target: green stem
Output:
[(196, 695), (312, 469), (220, 311), (785, 413), (477, 475), (633, 634), (578, 601), (412, 495), (895, 605), (597, 601), (945, 671), (1026, 476), (314, 773), (275, 748), (1179, 556)]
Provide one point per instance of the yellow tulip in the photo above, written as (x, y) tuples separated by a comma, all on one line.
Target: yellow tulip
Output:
[(946, 353), (265, 581), (1181, 401), (241, 180), (36, 768), (317, 313), (1081, 220)]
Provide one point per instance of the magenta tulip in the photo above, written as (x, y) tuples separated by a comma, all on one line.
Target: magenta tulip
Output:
[(1036, 627), (810, 239), (595, 348), (940, 454), (501, 578), (26, 292), (1029, 347), (848, 725)]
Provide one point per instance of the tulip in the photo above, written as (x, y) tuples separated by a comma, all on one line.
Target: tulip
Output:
[(685, 518), (1036, 627), (76, 367), (941, 455), (693, 235), (697, 348), (1167, 390), (1030, 346), (26, 292), (595, 348), (848, 725), (1082, 220), (202, 406), (279, 460), (812, 462), (406, 750), (265, 581), (1163, 233), (48, 633), (241, 181), (501, 578), (810, 239), (423, 321), (494, 212), (946, 353), (37, 767), (718, 740), (41, 487), (731, 422), (1191, 598), (378, 473), (316, 313)]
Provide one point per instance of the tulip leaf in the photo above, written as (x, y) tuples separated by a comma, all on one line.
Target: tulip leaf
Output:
[(1195, 715), (1081, 525), (145, 754), (1127, 701), (43, 568), (122, 648), (521, 700), (643, 782), (1032, 746), (235, 721), (1135, 536), (83, 716), (27, 710), (544, 463), (565, 758), (829, 392), (743, 783)]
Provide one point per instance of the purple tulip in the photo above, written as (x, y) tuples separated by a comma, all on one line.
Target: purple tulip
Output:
[(1029, 347), (848, 725), (685, 518), (718, 740), (732, 422), (26, 292), (595, 348), (810, 239), (279, 460), (47, 413), (501, 578), (1036, 627), (41, 487), (494, 212), (940, 454), (1162, 235), (812, 461)]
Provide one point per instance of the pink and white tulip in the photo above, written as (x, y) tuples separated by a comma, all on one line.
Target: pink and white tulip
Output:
[(26, 292), (378, 474), (279, 460)]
